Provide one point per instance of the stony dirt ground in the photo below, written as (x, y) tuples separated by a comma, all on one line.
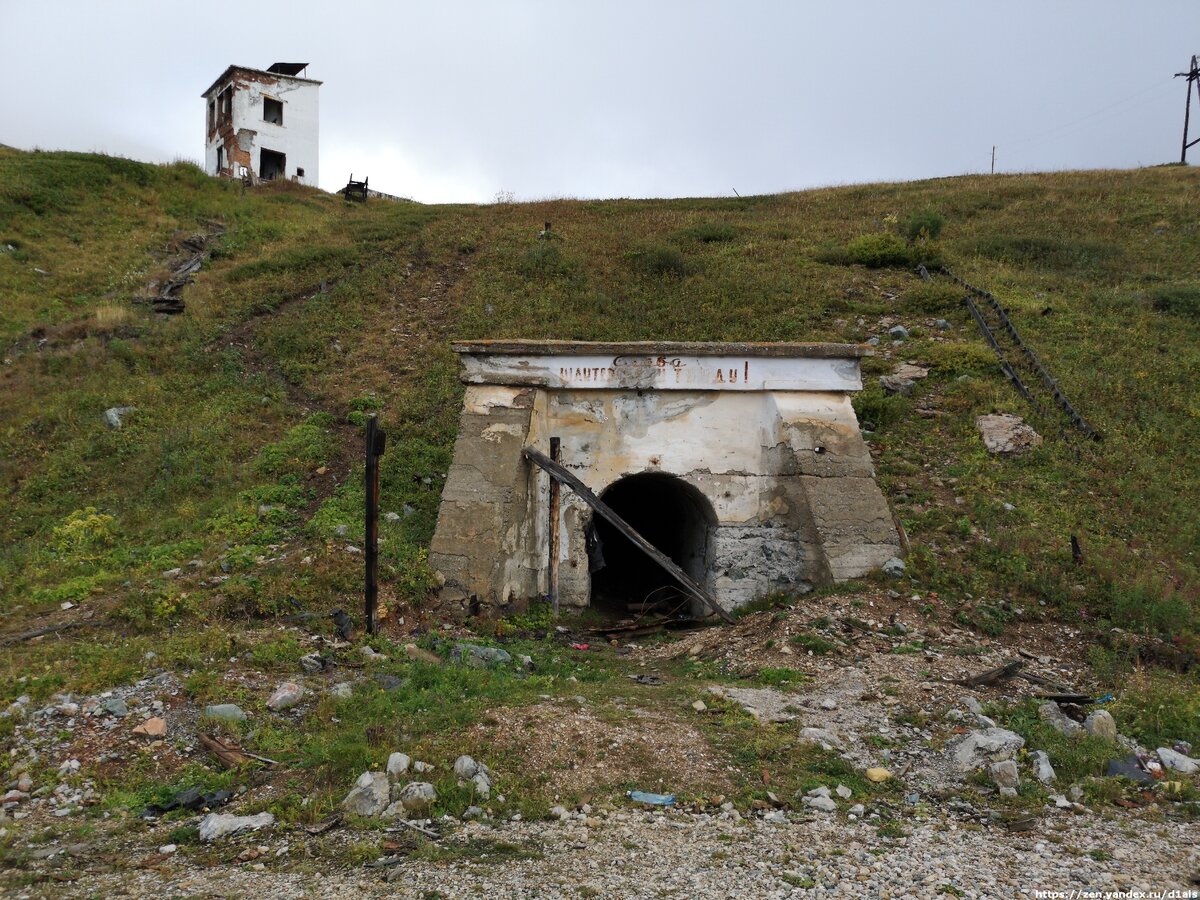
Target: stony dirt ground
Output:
[(883, 687), (637, 854)]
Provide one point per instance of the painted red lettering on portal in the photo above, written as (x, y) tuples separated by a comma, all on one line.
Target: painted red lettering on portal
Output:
[(733, 375), (746, 380), (720, 376)]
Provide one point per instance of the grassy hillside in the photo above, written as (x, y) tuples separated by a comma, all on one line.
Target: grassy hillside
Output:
[(239, 465)]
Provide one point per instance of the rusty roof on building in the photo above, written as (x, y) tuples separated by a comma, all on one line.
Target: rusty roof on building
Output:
[(252, 71)]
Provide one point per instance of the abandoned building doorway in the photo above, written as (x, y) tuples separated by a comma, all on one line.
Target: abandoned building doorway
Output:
[(673, 516), (271, 165)]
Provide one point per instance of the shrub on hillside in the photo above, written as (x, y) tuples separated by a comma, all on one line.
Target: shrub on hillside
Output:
[(660, 261), (877, 251), (925, 225), (1182, 301), (707, 233)]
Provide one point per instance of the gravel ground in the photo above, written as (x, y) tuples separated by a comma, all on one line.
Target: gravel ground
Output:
[(635, 854)]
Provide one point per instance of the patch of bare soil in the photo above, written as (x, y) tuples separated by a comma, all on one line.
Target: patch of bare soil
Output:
[(581, 753)]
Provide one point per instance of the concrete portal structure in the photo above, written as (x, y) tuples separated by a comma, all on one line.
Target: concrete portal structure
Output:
[(742, 462), (262, 123)]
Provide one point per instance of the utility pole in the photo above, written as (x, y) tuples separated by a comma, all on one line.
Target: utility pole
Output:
[(993, 159), (1193, 77)]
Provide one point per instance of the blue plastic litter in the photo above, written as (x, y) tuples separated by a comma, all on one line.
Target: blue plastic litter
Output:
[(653, 799), (1107, 698)]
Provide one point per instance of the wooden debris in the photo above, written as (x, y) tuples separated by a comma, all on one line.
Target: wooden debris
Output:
[(992, 676), (230, 755)]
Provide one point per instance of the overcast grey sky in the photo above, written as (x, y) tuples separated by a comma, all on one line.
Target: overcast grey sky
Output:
[(457, 101)]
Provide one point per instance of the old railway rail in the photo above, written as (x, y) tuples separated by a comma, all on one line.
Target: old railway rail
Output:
[(1014, 354)]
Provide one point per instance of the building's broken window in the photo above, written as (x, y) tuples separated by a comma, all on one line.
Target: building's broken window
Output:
[(300, 172), (271, 165), (272, 111), (226, 105), (220, 159), (212, 115)]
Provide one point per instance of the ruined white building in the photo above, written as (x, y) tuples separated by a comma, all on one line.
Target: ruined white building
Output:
[(262, 123), (742, 463)]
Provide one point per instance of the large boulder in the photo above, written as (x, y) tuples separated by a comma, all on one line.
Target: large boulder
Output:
[(1006, 433), (1100, 724), (981, 748), (369, 796), (1172, 759), (417, 797)]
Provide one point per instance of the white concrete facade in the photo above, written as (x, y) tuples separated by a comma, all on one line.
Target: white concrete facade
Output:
[(745, 460), (262, 124)]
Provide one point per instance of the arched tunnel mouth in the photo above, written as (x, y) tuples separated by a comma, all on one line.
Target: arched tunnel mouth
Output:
[(673, 516)]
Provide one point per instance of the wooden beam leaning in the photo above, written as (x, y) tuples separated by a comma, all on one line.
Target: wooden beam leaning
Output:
[(558, 473)]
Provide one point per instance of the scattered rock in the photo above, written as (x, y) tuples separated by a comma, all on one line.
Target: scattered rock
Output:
[(412, 651), (473, 812), (893, 384), (984, 747), (154, 727), (343, 690), (844, 792), (1172, 759), (829, 703), (560, 813), (389, 682), (417, 797), (822, 737), (821, 804), (215, 826), (465, 768), (421, 767), (115, 706), (1050, 713), (114, 416), (226, 712), (482, 783), (287, 695), (857, 811), (369, 796), (893, 567), (1127, 768), (392, 516), (941, 324), (312, 663), (1006, 433), (397, 765), (898, 332), (878, 775), (1042, 770), (167, 849), (973, 705), (700, 706), (371, 656), (1005, 776), (481, 657), (1100, 724)]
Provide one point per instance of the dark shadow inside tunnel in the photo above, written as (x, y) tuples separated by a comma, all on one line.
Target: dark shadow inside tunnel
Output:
[(673, 516)]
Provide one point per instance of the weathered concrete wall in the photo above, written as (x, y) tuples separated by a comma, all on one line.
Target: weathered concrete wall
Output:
[(788, 478)]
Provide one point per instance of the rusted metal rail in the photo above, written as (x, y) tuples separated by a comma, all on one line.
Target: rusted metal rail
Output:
[(1031, 359), (558, 473)]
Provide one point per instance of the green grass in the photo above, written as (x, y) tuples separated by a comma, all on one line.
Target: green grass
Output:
[(312, 313)]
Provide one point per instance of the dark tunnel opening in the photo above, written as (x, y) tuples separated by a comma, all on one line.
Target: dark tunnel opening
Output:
[(674, 517)]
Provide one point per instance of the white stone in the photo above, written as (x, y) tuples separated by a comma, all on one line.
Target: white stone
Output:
[(287, 695), (1042, 770), (369, 796), (983, 747), (465, 768), (822, 737), (218, 825), (1100, 724), (1006, 433), (1172, 759), (417, 797), (397, 765)]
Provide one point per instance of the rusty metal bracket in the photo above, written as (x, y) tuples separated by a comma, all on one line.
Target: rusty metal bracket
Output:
[(556, 471)]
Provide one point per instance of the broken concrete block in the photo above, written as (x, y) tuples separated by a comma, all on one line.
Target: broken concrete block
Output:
[(215, 826)]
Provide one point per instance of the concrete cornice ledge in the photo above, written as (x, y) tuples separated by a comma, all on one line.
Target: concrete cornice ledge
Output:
[(663, 348)]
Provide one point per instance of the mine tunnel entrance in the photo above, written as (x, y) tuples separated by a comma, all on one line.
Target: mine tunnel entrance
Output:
[(673, 516)]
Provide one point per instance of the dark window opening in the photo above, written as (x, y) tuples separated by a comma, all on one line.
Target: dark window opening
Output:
[(220, 159), (225, 105), (212, 115), (674, 517), (300, 172), (271, 165), (272, 111)]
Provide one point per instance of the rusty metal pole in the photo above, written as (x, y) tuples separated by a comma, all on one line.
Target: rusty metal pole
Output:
[(376, 443), (555, 507)]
